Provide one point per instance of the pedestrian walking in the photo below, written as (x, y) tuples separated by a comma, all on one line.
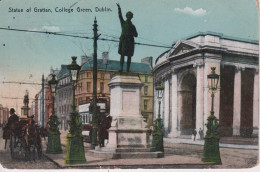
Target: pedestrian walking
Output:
[(194, 133), (201, 133)]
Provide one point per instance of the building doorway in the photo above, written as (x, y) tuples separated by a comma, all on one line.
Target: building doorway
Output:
[(188, 104)]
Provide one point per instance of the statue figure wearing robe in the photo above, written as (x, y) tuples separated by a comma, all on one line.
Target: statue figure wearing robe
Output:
[(126, 44)]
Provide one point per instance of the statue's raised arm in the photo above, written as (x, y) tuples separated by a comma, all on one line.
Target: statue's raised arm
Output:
[(120, 13)]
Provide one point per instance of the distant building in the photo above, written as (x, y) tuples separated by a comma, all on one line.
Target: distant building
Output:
[(48, 95), (106, 70), (63, 97), (32, 109), (4, 114), (43, 105), (186, 104)]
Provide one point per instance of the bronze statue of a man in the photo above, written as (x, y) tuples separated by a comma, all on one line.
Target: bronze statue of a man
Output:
[(127, 42)]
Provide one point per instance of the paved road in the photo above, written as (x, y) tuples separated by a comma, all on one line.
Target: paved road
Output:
[(7, 162), (231, 158)]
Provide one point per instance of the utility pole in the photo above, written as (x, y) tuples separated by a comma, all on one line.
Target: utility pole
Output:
[(94, 121), (42, 100)]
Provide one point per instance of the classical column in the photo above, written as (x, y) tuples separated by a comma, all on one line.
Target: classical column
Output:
[(206, 92), (199, 98), (256, 104), (237, 102), (174, 121), (156, 105), (166, 106)]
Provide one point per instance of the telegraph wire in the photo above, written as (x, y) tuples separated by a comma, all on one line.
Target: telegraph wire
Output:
[(76, 36), (16, 98), (16, 82)]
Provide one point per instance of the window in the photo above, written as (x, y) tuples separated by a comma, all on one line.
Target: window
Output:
[(102, 75), (145, 104), (80, 100), (88, 74), (88, 86), (83, 119), (145, 90), (101, 87), (146, 78), (111, 75)]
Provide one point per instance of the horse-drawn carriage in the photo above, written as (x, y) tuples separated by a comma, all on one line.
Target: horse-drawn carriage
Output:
[(25, 139)]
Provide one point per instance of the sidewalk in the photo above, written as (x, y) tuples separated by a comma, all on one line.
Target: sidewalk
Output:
[(170, 160), (97, 163), (201, 142)]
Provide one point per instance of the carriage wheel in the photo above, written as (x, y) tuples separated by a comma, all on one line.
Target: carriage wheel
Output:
[(25, 150), (26, 153)]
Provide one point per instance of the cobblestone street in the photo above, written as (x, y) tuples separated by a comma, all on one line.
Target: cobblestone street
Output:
[(231, 158), (176, 153), (7, 162)]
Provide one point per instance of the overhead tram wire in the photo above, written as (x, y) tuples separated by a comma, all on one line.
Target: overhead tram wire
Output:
[(76, 36), (16, 82), (19, 98), (45, 32)]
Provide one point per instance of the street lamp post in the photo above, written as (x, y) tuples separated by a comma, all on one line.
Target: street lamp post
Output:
[(54, 145), (75, 153), (211, 146), (157, 143)]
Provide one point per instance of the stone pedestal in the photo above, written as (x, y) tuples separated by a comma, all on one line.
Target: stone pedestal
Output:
[(75, 153), (54, 145), (128, 135)]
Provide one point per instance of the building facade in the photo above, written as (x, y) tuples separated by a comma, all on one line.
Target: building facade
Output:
[(106, 70), (186, 103), (4, 114), (63, 97)]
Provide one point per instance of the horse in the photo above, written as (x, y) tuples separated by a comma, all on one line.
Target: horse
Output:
[(32, 138)]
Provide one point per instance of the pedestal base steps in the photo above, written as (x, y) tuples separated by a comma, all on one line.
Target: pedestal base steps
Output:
[(125, 153)]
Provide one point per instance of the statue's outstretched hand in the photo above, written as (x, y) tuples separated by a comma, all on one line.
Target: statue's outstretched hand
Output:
[(118, 5)]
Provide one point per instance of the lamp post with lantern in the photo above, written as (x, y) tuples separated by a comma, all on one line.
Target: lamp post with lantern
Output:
[(54, 144), (75, 153), (157, 142), (211, 152)]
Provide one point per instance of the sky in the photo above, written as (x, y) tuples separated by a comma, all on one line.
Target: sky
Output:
[(24, 57)]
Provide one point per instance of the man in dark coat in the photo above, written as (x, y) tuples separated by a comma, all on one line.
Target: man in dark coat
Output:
[(10, 125), (106, 124), (12, 119), (126, 44)]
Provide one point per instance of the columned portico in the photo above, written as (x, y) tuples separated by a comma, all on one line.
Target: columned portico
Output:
[(187, 102), (237, 102), (256, 104)]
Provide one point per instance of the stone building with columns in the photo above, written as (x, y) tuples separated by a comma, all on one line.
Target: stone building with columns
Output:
[(186, 103)]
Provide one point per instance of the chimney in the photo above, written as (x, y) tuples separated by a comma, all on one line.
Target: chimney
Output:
[(85, 59), (105, 57), (148, 60)]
